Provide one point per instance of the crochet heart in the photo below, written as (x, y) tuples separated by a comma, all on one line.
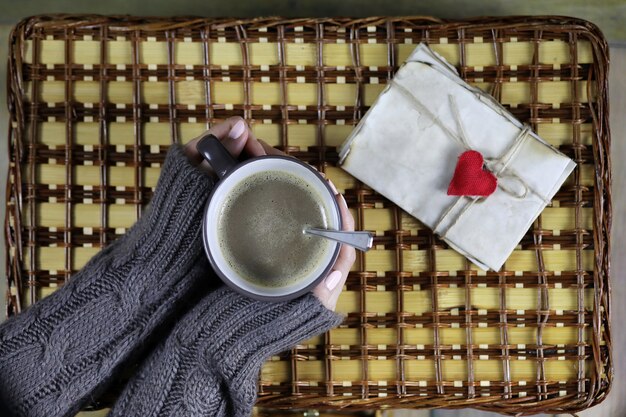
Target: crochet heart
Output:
[(470, 178)]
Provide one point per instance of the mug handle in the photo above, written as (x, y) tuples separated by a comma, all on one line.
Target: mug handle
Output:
[(216, 154)]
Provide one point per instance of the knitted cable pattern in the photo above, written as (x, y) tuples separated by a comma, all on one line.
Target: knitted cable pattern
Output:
[(63, 350), (209, 364)]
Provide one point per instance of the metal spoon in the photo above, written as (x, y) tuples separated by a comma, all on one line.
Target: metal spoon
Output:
[(358, 240)]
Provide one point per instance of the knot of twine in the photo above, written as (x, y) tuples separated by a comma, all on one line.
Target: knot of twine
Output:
[(497, 166)]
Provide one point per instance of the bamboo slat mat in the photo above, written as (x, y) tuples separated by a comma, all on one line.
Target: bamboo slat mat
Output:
[(95, 101)]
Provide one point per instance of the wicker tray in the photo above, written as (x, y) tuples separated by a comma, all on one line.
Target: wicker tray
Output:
[(95, 101)]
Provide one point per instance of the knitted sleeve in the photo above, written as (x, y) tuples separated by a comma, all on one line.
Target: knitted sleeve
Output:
[(58, 354), (210, 363)]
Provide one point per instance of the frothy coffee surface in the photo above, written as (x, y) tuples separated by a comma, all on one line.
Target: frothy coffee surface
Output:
[(260, 229)]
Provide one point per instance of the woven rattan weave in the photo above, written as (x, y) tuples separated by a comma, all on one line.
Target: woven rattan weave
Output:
[(95, 101)]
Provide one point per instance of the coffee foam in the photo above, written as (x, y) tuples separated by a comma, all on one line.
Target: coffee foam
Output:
[(277, 235)]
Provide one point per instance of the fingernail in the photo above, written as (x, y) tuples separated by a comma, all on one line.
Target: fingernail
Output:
[(333, 279), (343, 199), (332, 187), (237, 130)]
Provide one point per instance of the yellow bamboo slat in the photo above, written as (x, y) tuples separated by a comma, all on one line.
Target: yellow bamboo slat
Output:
[(337, 55), (380, 302), (489, 336), (264, 53), (378, 220), (480, 54), (448, 51), (418, 302), (417, 336), (558, 134), (269, 132), (304, 94), (301, 54), (344, 336), (52, 134), (334, 135), (420, 370), (302, 136), (342, 180)]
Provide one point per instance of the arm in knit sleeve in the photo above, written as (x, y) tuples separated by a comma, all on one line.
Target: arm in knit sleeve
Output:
[(210, 363), (62, 351)]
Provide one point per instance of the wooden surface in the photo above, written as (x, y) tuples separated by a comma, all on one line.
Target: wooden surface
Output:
[(616, 404)]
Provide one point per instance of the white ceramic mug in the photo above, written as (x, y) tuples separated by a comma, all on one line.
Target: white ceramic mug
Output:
[(231, 173)]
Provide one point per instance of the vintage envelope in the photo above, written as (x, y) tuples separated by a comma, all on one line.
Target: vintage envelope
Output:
[(407, 145)]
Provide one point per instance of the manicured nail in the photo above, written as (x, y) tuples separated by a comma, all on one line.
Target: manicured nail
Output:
[(333, 279), (332, 187), (237, 130)]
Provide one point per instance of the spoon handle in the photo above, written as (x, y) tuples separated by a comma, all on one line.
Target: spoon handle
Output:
[(358, 240)]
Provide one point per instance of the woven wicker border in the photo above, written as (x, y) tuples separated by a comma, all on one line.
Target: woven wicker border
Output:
[(573, 29)]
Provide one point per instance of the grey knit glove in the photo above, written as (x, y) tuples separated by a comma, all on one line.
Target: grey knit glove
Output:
[(209, 365), (61, 352)]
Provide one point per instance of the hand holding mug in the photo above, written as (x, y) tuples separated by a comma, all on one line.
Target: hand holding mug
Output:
[(236, 137)]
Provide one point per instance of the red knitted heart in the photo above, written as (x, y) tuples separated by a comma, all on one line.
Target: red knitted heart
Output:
[(470, 178)]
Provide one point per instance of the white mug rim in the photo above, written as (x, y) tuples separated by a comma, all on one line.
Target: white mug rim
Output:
[(238, 283)]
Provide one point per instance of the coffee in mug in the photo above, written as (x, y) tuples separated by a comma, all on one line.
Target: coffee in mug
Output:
[(254, 221), (260, 229)]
